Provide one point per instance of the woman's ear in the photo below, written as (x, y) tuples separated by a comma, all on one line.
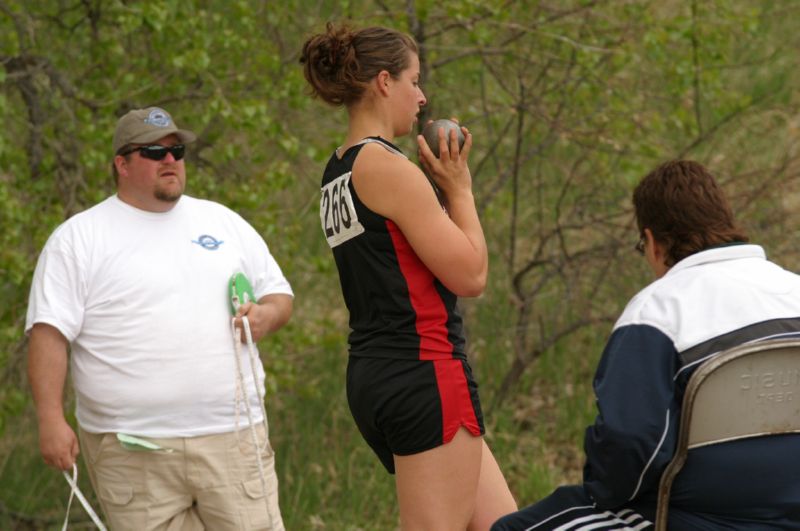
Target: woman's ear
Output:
[(656, 254), (382, 80)]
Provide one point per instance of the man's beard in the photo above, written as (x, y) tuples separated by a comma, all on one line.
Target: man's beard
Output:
[(168, 196)]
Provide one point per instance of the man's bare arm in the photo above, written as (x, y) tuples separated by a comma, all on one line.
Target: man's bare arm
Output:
[(47, 373)]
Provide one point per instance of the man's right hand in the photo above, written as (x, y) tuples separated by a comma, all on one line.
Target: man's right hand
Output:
[(58, 444)]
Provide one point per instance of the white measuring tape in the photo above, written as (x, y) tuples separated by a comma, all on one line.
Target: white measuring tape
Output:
[(241, 393), (73, 483)]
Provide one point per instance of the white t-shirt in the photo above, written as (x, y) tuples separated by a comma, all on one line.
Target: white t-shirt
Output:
[(142, 298)]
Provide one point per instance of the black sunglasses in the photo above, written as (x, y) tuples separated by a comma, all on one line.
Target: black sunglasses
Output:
[(156, 152)]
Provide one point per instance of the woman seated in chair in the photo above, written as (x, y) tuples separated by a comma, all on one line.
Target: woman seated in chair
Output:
[(712, 291)]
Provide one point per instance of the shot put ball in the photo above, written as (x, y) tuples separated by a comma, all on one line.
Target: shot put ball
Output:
[(431, 134)]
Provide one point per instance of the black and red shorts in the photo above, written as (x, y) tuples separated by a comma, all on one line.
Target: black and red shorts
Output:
[(405, 407)]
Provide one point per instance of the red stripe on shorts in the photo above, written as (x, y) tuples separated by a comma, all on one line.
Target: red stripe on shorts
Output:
[(431, 324), (431, 314), (457, 407)]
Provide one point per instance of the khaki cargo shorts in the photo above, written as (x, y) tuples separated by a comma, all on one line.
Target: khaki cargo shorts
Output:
[(195, 483)]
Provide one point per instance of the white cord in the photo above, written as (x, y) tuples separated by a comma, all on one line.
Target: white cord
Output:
[(261, 390), (73, 483), (241, 386)]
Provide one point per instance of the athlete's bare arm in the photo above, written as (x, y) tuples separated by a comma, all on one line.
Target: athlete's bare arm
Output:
[(452, 246)]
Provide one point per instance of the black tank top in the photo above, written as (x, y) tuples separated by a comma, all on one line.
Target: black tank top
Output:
[(398, 309)]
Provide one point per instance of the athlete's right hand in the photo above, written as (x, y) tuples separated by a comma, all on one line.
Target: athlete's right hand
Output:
[(450, 170), (58, 444)]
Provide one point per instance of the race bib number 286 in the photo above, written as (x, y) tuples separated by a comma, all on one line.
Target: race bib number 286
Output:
[(337, 213)]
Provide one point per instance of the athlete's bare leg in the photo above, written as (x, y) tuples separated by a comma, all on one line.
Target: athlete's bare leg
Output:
[(436, 489), (494, 498), (456, 486)]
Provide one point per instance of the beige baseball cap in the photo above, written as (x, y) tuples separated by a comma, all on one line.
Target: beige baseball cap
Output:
[(141, 126)]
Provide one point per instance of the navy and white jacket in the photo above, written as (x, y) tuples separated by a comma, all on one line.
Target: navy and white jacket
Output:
[(707, 302)]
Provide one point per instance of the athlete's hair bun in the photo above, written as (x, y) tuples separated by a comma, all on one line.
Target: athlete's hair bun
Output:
[(339, 62)]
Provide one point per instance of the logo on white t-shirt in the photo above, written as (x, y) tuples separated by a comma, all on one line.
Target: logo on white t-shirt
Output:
[(208, 242)]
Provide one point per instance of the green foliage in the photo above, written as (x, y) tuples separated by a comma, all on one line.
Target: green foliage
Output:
[(570, 103)]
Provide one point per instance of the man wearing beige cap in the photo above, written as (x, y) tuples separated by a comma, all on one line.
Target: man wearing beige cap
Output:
[(136, 290)]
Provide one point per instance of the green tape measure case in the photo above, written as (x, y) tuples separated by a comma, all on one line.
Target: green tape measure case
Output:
[(240, 291)]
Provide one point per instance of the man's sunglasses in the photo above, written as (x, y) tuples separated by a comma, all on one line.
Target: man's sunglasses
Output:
[(156, 152)]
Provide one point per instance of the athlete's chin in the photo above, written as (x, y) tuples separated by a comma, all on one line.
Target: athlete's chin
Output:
[(406, 130)]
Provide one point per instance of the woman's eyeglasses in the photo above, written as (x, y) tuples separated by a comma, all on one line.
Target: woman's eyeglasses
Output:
[(640, 245), (157, 152)]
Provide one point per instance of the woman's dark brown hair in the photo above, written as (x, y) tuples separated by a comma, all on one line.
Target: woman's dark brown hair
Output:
[(684, 207), (339, 63)]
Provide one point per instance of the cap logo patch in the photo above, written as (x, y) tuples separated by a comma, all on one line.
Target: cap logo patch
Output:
[(158, 118)]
